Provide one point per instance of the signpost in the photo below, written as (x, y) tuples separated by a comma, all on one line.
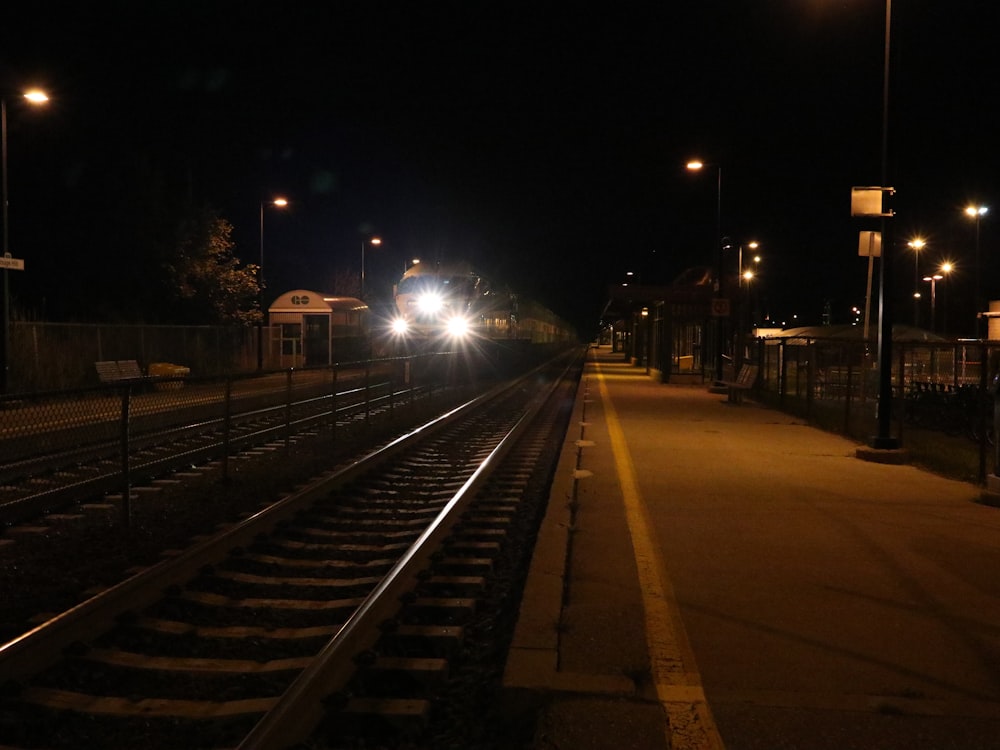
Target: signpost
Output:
[(7, 263)]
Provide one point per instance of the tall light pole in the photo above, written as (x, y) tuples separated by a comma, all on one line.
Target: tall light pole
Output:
[(946, 269), (977, 213), (375, 242), (884, 440), (933, 281), (695, 166), (34, 97), (916, 245), (739, 264), (278, 203)]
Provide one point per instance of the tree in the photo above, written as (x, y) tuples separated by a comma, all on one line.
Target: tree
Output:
[(210, 285)]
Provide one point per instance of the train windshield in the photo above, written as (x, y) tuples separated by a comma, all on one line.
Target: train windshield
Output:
[(417, 284)]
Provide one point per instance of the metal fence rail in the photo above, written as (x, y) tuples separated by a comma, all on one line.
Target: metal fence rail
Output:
[(69, 445), (947, 387)]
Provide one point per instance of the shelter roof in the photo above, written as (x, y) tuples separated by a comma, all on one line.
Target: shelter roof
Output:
[(900, 333)]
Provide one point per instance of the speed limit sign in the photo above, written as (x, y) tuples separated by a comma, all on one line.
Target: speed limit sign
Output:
[(720, 307)]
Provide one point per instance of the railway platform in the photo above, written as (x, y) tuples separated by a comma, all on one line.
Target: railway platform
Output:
[(720, 575)]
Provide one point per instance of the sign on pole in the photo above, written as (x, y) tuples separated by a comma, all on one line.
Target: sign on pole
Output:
[(11, 264), (867, 201)]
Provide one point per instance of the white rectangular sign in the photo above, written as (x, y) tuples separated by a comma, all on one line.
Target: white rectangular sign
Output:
[(14, 264)]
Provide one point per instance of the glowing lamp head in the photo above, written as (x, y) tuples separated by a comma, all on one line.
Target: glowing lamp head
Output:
[(400, 326)]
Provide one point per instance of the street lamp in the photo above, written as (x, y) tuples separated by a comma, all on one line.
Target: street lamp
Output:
[(933, 280), (946, 269), (696, 166), (374, 241), (33, 97), (916, 245), (977, 213), (739, 264), (278, 203), (884, 439)]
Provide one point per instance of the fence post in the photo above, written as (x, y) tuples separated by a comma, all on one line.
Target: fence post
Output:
[(368, 395), (408, 377), (227, 423), (900, 400), (849, 392), (333, 406), (392, 389), (980, 403), (782, 371), (288, 409), (126, 465)]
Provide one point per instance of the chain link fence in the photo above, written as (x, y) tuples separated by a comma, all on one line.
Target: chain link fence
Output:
[(59, 356)]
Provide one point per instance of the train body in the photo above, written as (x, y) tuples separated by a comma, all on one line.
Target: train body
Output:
[(453, 303)]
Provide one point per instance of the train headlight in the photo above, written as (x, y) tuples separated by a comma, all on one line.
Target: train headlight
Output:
[(430, 303), (457, 327), (400, 326)]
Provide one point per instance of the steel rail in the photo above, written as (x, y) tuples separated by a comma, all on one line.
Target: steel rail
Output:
[(301, 707), (42, 646)]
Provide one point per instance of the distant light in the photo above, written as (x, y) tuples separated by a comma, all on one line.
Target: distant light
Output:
[(976, 210), (947, 268), (916, 243), (35, 96), (400, 326), (695, 165), (280, 202), (375, 241)]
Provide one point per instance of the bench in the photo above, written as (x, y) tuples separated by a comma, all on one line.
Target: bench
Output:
[(122, 370), (744, 381)]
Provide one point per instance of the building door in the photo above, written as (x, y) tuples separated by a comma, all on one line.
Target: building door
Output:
[(317, 339)]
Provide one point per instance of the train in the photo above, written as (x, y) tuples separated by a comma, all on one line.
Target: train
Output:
[(455, 303), (433, 308)]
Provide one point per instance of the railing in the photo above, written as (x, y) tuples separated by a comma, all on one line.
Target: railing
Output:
[(945, 387), (65, 445)]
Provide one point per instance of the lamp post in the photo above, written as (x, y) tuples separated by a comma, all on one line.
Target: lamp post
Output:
[(977, 213), (374, 241), (696, 166), (739, 269), (946, 269), (884, 439), (933, 280), (34, 97), (278, 203), (916, 245)]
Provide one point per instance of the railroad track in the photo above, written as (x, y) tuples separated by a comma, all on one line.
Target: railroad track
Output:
[(331, 613)]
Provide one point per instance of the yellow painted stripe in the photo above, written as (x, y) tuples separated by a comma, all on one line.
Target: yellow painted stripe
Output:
[(678, 684)]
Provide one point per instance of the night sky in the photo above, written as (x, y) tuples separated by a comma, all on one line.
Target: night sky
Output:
[(543, 142)]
